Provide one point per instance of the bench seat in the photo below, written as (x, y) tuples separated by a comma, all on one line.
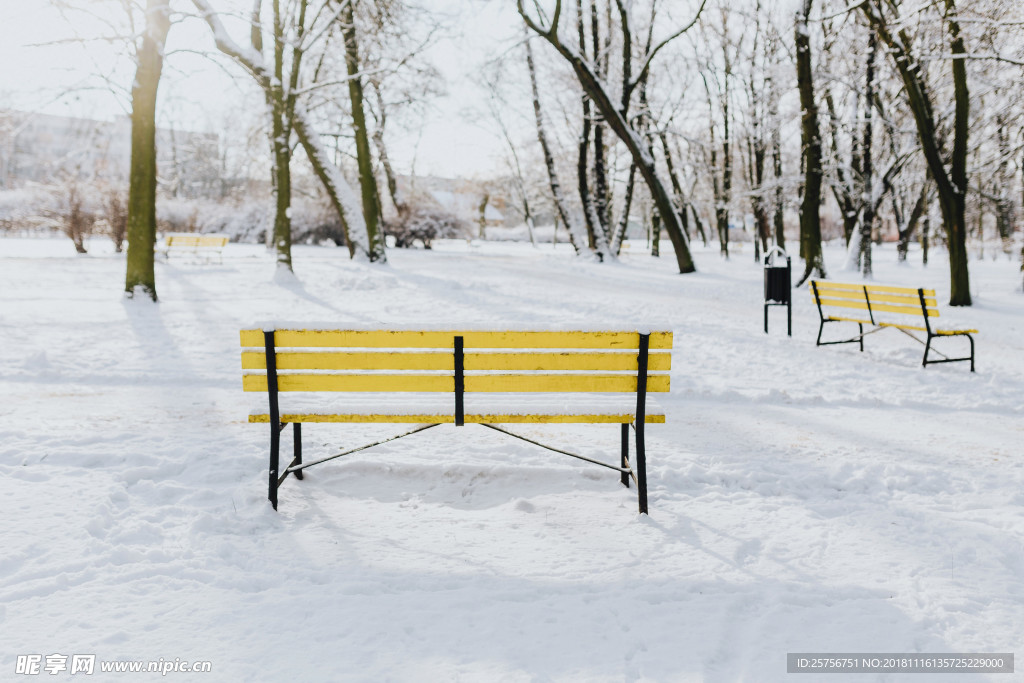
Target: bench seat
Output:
[(480, 408)]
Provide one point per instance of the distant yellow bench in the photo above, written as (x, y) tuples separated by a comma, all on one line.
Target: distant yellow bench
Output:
[(196, 244), (456, 377), (903, 308)]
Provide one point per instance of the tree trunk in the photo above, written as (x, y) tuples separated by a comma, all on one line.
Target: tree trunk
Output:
[(576, 237), (482, 216), (810, 137), (364, 160), (583, 151), (282, 181), (655, 233), (280, 143), (699, 223), (139, 275), (343, 199), (117, 217), (756, 157), (719, 187), (778, 204), (382, 154), (1005, 210), (600, 194), (722, 209), (677, 188), (843, 189), (868, 221), (925, 230), (75, 219)]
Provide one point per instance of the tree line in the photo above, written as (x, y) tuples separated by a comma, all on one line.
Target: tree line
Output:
[(889, 109), (696, 112)]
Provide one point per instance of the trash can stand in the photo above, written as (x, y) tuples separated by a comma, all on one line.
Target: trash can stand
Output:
[(778, 286)]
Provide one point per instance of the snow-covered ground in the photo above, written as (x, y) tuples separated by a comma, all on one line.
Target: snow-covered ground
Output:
[(802, 499)]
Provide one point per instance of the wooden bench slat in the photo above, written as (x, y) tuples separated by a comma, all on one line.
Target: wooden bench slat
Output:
[(604, 361), (497, 383), (353, 382), (881, 289), (950, 333), (562, 383), (839, 318), (341, 360), (912, 300), (918, 328), (510, 339), (886, 308), (441, 360), (482, 418)]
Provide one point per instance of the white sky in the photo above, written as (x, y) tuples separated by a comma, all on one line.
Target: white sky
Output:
[(45, 70)]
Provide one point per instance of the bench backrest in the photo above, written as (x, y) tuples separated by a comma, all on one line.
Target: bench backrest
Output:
[(436, 361), (875, 298), (196, 241)]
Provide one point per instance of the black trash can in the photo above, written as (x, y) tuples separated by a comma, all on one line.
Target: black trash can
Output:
[(778, 286)]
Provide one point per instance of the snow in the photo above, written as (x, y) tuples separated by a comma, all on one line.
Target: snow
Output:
[(802, 499)]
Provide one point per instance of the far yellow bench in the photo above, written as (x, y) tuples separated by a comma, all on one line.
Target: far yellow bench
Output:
[(428, 377), (903, 308), (196, 244)]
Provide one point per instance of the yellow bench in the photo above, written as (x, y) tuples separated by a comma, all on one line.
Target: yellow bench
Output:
[(903, 308), (431, 378), (195, 244)]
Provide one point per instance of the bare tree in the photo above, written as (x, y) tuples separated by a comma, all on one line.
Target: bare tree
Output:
[(117, 217), (868, 218), (810, 137), (289, 114), (367, 179), (598, 92), (75, 222), (140, 277), (757, 139), (950, 181), (577, 237)]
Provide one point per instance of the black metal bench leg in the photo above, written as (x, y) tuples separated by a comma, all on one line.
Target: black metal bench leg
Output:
[(927, 348), (297, 439), (971, 339), (860, 326), (275, 456), (641, 468), (625, 454)]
